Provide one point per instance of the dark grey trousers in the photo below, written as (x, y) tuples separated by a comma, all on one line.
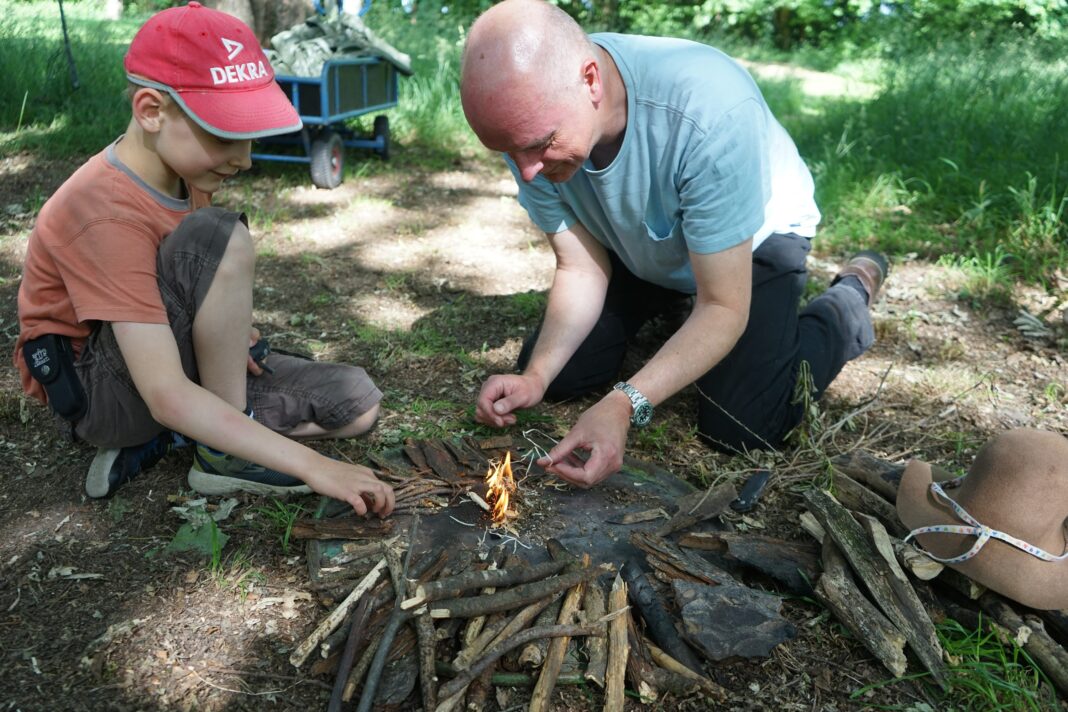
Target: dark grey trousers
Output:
[(747, 400)]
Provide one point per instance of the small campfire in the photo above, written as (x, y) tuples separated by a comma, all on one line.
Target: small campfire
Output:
[(501, 486)]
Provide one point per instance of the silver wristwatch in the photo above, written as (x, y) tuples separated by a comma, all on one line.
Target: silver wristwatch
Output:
[(642, 409)]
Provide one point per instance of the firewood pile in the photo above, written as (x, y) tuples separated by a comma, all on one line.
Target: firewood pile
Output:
[(438, 609), (423, 618), (890, 595)]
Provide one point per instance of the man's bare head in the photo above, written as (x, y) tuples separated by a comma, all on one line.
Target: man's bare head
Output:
[(521, 55)]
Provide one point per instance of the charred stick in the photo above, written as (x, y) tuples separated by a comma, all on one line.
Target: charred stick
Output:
[(554, 658), (618, 649), (455, 585), (357, 632), (672, 665), (301, 652), (491, 656), (658, 622)]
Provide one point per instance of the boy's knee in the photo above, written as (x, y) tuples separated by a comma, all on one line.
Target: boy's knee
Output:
[(240, 254), (365, 422)]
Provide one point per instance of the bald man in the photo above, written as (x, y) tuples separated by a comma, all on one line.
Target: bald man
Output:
[(665, 186)]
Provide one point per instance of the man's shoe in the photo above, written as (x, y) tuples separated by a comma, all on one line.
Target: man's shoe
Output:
[(870, 268), (114, 467), (217, 473)]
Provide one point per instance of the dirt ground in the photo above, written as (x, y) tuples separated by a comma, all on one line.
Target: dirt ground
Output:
[(430, 279)]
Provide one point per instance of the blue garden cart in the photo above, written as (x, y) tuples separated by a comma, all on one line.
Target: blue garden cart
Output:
[(346, 88)]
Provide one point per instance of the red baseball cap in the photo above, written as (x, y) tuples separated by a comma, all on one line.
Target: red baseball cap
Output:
[(213, 66)]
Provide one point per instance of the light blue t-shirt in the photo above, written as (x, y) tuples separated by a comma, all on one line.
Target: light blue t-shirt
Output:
[(702, 167)]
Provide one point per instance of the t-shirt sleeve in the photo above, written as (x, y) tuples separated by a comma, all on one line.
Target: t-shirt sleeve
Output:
[(109, 270), (542, 202), (725, 181)]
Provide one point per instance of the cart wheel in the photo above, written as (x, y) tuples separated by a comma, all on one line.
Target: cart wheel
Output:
[(382, 129), (327, 160)]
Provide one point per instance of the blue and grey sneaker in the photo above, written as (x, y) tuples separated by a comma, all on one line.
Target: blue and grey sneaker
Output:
[(114, 467), (215, 472)]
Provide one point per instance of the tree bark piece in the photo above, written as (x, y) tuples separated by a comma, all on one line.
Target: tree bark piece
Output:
[(441, 462), (554, 659), (699, 506), (1051, 657), (659, 624), (916, 562), (596, 648), (795, 564), (882, 476), (453, 586), (876, 573), (837, 590), (673, 561), (618, 648), (494, 654), (859, 498), (514, 597), (415, 454), (327, 625)]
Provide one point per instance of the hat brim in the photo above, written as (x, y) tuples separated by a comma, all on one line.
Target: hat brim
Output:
[(999, 566), (249, 114)]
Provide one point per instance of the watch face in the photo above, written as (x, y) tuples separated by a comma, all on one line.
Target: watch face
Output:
[(642, 414)]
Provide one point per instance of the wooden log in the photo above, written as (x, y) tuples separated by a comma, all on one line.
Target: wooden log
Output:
[(514, 597), (859, 498), (532, 655), (494, 654), (424, 630), (596, 647), (1044, 650), (659, 624), (618, 649), (348, 528), (962, 584), (916, 562), (882, 476), (837, 590), (474, 625), (455, 585), (706, 685), (875, 572), (812, 526), (554, 658), (327, 625), (697, 507), (1057, 623)]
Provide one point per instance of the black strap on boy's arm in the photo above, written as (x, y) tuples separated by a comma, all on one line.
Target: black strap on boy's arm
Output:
[(50, 360)]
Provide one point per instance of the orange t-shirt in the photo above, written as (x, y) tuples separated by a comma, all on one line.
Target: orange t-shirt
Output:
[(91, 256)]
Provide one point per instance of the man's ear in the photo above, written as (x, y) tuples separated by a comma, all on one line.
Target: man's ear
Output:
[(147, 105), (592, 81)]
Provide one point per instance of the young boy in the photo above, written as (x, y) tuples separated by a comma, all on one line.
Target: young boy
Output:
[(150, 290)]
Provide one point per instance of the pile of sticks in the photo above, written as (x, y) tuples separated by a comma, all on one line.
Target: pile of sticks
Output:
[(890, 595), (461, 628)]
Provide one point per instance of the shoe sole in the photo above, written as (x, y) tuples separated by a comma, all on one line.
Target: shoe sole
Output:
[(98, 481), (209, 484)]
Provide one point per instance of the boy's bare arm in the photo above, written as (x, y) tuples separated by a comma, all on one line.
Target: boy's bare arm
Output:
[(151, 354)]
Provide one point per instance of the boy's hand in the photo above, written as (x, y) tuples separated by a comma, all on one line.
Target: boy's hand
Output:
[(254, 366), (354, 484)]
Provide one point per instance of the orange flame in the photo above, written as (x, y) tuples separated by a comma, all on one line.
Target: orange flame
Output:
[(501, 486)]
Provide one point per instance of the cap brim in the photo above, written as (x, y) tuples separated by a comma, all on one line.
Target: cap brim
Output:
[(258, 113)]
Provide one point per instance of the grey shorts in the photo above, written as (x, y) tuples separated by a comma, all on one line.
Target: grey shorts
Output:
[(299, 391)]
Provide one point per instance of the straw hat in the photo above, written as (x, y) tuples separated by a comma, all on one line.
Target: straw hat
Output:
[(1018, 485)]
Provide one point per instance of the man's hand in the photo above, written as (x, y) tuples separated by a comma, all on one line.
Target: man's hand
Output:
[(253, 337), (502, 395), (354, 484), (602, 431)]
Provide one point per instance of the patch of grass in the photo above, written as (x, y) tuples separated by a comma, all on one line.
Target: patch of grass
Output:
[(280, 516), (985, 673), (985, 278)]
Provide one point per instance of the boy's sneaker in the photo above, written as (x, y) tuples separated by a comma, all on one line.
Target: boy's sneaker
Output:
[(114, 467), (215, 472)]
